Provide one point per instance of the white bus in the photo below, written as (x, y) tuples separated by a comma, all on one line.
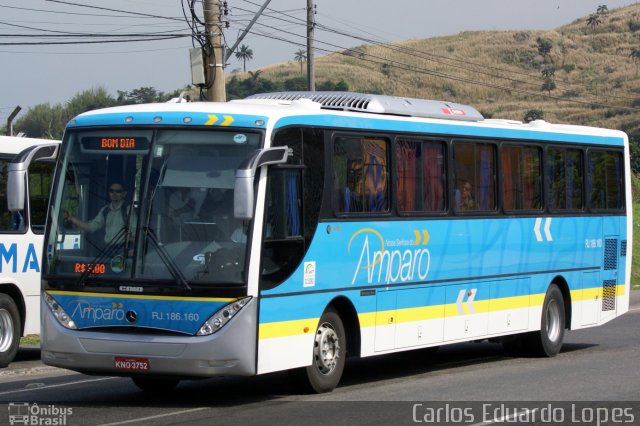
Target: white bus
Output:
[(21, 235)]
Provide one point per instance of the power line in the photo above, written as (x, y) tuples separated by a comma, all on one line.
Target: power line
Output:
[(88, 41), (76, 13), (114, 10)]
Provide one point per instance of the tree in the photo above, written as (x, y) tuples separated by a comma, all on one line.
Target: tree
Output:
[(602, 10), (46, 121), (88, 100), (548, 85), (43, 121), (533, 114), (544, 46), (549, 72), (593, 21), (386, 69), (244, 54), (300, 57), (141, 95), (635, 55)]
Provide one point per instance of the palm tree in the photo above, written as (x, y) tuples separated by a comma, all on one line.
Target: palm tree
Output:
[(245, 54), (593, 21), (300, 57), (603, 9)]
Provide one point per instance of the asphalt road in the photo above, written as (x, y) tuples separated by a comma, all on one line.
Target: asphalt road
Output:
[(595, 376)]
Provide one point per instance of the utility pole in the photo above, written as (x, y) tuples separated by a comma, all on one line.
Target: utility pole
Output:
[(311, 73), (214, 55)]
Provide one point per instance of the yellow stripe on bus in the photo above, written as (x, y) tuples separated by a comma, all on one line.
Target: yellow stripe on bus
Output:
[(270, 330), (371, 319)]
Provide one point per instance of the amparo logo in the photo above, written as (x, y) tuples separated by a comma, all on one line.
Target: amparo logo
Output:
[(104, 312), (386, 261)]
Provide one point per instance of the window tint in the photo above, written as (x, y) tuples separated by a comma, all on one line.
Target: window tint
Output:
[(421, 173), (521, 183), (475, 181), (565, 174), (40, 175), (361, 174), (605, 174), (8, 222)]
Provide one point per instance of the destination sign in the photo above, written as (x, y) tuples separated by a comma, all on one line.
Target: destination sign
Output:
[(115, 143)]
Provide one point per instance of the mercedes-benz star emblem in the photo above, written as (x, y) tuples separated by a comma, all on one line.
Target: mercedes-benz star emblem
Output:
[(131, 316)]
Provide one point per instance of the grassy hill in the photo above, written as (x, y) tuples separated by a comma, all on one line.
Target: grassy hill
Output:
[(500, 72)]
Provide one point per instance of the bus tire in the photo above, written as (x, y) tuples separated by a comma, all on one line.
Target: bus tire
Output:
[(10, 330), (155, 384), (548, 341), (329, 356)]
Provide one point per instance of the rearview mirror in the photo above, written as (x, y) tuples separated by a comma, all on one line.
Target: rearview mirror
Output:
[(17, 173), (243, 193)]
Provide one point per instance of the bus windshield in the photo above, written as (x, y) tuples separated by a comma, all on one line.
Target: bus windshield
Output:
[(148, 205)]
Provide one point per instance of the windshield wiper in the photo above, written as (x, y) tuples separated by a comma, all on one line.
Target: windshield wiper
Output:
[(175, 272)]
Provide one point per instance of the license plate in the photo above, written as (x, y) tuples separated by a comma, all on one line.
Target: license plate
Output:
[(131, 364)]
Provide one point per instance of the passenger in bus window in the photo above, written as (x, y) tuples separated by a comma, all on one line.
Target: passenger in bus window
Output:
[(464, 197), (111, 217)]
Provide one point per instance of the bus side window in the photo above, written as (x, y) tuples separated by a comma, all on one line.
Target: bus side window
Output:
[(8, 221), (361, 174), (283, 240), (40, 176)]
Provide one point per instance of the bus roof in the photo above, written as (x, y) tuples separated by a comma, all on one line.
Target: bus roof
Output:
[(324, 108), (15, 144)]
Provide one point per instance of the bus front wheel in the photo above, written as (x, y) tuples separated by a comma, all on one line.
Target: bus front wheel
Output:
[(548, 341), (9, 330), (329, 355)]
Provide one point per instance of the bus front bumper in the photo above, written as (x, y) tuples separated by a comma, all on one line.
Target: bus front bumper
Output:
[(229, 351)]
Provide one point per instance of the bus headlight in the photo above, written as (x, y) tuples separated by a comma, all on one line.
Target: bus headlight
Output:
[(59, 313), (220, 318)]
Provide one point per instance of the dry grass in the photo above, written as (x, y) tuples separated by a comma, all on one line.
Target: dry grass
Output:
[(499, 72)]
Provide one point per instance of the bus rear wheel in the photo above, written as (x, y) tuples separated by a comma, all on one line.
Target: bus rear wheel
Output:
[(548, 341), (329, 355), (155, 384), (10, 327)]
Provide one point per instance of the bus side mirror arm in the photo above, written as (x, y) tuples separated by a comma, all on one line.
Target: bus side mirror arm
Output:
[(17, 173), (243, 194)]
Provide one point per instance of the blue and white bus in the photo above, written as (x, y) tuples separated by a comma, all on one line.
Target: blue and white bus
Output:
[(21, 234), (290, 231)]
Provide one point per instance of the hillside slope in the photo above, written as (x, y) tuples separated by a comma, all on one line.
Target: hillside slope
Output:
[(596, 79)]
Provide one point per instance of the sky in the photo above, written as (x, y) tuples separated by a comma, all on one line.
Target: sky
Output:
[(37, 73)]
